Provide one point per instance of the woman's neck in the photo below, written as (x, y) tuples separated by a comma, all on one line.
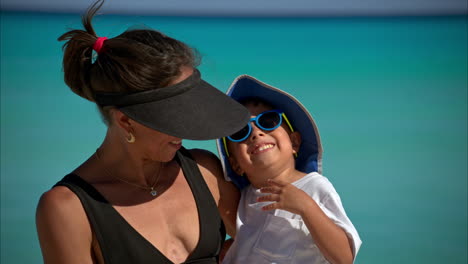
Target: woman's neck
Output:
[(126, 163)]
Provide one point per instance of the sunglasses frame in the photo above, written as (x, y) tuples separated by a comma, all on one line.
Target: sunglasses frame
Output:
[(282, 116)]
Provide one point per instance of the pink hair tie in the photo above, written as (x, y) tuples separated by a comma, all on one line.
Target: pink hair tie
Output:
[(98, 44)]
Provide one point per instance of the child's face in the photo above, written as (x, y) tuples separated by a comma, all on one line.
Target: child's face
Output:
[(263, 149)]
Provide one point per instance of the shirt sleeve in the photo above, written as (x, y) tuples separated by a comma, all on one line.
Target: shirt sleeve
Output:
[(331, 205)]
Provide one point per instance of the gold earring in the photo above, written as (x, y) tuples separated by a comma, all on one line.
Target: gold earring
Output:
[(130, 138), (239, 172), (295, 153)]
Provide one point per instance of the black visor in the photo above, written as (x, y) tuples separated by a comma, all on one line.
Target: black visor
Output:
[(192, 109)]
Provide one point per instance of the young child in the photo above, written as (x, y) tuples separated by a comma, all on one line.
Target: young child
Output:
[(289, 213)]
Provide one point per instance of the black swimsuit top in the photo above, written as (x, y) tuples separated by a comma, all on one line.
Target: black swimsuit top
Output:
[(121, 244)]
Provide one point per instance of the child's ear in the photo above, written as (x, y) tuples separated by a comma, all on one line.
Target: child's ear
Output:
[(235, 166), (295, 141)]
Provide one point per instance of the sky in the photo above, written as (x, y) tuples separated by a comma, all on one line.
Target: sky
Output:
[(249, 7)]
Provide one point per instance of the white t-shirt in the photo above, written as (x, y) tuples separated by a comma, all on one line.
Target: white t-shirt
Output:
[(280, 236)]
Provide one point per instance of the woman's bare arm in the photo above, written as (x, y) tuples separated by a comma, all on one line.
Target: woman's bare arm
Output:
[(225, 193), (63, 228)]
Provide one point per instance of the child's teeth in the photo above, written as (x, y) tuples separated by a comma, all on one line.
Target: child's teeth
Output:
[(265, 147)]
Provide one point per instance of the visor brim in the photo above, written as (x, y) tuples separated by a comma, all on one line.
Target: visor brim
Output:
[(201, 113)]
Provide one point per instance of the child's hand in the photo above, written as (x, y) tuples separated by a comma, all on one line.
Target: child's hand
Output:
[(285, 195)]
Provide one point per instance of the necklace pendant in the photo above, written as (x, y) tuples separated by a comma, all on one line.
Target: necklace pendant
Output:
[(153, 192)]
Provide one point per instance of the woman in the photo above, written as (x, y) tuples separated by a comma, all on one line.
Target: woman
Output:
[(141, 197)]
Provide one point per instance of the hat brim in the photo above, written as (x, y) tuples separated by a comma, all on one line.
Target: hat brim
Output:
[(201, 113), (309, 157)]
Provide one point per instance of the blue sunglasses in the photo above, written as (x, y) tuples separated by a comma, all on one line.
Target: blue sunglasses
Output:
[(267, 121)]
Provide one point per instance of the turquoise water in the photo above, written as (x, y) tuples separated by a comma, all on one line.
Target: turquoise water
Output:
[(389, 96)]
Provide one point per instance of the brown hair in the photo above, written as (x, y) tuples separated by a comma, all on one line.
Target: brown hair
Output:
[(136, 60), (255, 101)]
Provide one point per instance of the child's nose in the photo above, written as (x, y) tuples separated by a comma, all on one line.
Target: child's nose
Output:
[(256, 132)]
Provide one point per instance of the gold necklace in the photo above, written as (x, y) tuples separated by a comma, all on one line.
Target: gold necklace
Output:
[(151, 188)]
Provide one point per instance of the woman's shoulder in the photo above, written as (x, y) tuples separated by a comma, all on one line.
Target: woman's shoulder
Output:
[(57, 199), (202, 154), (60, 202), (211, 169), (59, 216), (209, 166), (59, 205), (207, 161)]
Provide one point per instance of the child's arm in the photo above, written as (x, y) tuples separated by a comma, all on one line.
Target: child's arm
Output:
[(330, 239)]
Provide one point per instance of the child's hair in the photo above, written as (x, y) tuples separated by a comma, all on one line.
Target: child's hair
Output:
[(136, 60), (255, 101)]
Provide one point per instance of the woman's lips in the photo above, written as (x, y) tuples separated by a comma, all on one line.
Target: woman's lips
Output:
[(176, 143)]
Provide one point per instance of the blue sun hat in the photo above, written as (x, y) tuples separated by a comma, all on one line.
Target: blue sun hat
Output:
[(309, 158)]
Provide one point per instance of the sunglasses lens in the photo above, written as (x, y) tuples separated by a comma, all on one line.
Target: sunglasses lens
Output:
[(266, 121), (270, 120), (240, 134)]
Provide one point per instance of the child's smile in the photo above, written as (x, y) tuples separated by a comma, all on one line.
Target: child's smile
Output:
[(262, 147), (262, 150)]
